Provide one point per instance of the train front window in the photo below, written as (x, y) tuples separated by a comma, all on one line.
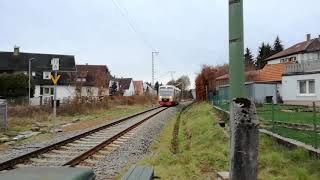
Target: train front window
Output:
[(165, 92)]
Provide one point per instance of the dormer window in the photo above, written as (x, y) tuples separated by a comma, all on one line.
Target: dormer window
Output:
[(46, 75)]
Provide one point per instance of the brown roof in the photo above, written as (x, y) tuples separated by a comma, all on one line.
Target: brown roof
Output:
[(138, 87), (94, 74), (270, 72), (305, 46), (124, 83), (247, 73)]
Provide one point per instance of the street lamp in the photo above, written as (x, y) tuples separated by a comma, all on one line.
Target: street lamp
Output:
[(29, 83)]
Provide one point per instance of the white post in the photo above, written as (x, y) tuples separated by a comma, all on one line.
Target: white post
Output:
[(55, 104), (29, 82)]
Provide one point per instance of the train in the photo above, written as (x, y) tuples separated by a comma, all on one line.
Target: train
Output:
[(169, 95)]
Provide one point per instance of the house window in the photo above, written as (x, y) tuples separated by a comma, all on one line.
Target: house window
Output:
[(307, 87), (81, 79), (46, 75), (48, 91)]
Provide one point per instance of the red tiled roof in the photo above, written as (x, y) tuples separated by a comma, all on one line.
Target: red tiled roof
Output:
[(247, 73), (270, 72), (297, 48)]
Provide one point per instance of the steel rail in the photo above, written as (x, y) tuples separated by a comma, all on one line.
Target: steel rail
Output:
[(9, 164), (75, 161)]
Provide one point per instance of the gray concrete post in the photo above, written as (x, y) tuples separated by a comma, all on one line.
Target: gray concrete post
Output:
[(244, 127)]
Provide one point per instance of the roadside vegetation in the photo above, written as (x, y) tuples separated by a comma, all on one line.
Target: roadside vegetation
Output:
[(287, 113), (303, 116), (291, 121), (78, 115), (203, 150)]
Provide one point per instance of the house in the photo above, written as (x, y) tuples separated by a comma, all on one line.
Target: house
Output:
[(307, 50), (301, 79), (138, 87), (125, 86), (262, 86), (92, 80), (41, 69)]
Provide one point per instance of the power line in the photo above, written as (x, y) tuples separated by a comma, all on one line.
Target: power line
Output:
[(130, 21)]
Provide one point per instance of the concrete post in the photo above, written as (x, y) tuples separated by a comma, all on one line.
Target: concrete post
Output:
[(244, 128)]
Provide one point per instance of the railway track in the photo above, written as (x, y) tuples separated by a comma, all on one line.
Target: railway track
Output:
[(85, 149)]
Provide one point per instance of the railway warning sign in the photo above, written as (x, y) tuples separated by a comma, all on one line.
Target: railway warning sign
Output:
[(55, 64), (55, 79)]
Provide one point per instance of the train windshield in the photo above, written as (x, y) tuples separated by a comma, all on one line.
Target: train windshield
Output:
[(166, 92)]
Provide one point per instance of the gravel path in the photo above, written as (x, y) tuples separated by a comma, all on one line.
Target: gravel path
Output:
[(135, 148)]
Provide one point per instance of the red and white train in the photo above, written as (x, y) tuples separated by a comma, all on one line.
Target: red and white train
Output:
[(169, 95)]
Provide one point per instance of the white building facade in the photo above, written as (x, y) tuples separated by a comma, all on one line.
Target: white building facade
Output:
[(44, 94), (301, 78), (301, 89), (130, 91)]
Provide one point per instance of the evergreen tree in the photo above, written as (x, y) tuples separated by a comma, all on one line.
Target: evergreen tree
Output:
[(248, 60), (156, 87), (114, 88), (265, 51), (15, 85), (277, 46)]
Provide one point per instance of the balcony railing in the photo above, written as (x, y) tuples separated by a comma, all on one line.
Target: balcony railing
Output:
[(307, 66)]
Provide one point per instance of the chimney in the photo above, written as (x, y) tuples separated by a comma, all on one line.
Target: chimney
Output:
[(308, 37), (16, 51)]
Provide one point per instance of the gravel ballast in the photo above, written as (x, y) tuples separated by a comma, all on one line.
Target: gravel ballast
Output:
[(135, 148)]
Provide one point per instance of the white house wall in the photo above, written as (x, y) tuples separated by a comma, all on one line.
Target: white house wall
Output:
[(94, 91), (290, 88), (313, 56), (130, 91), (63, 93), (278, 60)]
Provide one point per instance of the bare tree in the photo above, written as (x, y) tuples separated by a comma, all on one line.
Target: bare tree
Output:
[(183, 82)]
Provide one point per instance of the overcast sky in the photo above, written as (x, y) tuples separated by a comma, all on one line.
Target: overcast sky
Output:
[(187, 33)]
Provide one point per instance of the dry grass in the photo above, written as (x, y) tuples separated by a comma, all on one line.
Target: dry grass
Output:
[(21, 118)]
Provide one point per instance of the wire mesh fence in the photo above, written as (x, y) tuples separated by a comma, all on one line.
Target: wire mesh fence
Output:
[(297, 122)]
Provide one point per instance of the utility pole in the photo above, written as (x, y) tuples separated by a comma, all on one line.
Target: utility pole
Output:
[(29, 81), (243, 121)]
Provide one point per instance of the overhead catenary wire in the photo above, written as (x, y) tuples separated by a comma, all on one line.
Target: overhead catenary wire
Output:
[(131, 23)]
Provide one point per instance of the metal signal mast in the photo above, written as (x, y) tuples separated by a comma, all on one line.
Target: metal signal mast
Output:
[(153, 53)]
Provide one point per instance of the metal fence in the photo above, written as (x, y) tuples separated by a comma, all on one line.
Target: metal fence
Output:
[(3, 115), (301, 123)]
